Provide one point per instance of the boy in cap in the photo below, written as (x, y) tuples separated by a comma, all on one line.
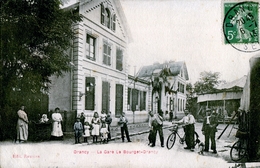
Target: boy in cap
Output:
[(78, 129)]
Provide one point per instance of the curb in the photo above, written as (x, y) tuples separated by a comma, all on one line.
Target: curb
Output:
[(139, 133)]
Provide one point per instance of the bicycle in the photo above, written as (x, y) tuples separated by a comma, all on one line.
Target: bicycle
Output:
[(172, 137), (239, 150)]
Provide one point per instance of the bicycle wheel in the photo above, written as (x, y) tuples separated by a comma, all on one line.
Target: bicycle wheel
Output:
[(171, 140), (237, 151)]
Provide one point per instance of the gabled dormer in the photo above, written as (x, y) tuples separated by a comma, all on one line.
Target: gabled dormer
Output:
[(108, 16)]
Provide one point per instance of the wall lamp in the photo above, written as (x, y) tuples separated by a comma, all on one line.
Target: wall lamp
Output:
[(89, 88)]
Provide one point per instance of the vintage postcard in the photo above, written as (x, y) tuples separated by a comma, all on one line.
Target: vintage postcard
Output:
[(151, 83)]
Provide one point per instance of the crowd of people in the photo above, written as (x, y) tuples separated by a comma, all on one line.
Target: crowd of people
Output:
[(99, 127)]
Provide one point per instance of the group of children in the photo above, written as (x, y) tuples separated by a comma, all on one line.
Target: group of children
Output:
[(99, 126)]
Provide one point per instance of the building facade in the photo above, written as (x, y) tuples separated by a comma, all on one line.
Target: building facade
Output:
[(98, 80)]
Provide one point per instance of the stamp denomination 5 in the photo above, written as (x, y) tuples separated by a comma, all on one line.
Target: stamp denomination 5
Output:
[(241, 25)]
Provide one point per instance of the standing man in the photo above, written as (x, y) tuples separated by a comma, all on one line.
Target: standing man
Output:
[(123, 121), (22, 126), (157, 124), (209, 129), (188, 120)]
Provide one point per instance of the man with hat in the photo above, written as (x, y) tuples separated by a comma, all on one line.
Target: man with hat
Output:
[(123, 121), (188, 120), (209, 129), (78, 129)]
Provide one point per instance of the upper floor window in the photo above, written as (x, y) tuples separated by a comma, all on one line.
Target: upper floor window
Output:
[(181, 73), (107, 18), (106, 53), (90, 47), (119, 59), (181, 87)]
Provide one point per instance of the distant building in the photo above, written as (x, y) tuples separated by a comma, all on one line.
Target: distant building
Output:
[(168, 86), (138, 98), (226, 98)]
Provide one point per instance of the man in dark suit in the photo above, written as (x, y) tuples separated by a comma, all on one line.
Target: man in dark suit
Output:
[(209, 130)]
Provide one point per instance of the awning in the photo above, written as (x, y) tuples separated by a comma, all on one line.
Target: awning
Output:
[(219, 96)]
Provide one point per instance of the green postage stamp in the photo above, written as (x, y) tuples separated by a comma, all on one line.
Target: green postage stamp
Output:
[(241, 25)]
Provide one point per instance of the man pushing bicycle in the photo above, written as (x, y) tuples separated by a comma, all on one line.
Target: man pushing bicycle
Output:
[(189, 121)]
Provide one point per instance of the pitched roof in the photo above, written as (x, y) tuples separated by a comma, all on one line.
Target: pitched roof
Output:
[(174, 69), (115, 3), (236, 83)]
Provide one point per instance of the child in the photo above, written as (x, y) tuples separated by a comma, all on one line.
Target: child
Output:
[(78, 130), (104, 131), (44, 119), (103, 115), (108, 121), (95, 123), (86, 131)]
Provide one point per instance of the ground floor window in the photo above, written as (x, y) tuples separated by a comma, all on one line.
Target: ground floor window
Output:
[(89, 93), (136, 100)]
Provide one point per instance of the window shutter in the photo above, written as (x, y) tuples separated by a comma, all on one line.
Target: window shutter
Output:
[(114, 23), (102, 14), (107, 18), (142, 100), (119, 99), (109, 55), (104, 53), (119, 59), (134, 99), (129, 98), (105, 96)]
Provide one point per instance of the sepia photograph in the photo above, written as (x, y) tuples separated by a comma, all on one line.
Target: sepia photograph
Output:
[(129, 83)]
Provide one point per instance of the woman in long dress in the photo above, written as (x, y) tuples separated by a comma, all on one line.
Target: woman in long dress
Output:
[(22, 126), (56, 133)]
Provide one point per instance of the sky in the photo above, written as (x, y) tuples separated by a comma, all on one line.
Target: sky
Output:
[(182, 30)]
